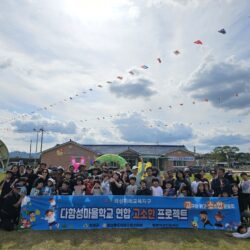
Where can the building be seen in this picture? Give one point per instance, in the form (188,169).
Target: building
(161,156)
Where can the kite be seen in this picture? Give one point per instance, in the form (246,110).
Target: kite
(160,108)
(144,66)
(193,102)
(236,94)
(165,125)
(222,31)
(109,82)
(119,77)
(84,92)
(71,98)
(181,104)
(90,89)
(177,52)
(76,95)
(199,42)
(100,86)
(206,100)
(170,106)
(131,72)
(159,60)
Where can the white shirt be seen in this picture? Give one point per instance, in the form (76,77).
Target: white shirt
(243,236)
(194,186)
(157,191)
(245,185)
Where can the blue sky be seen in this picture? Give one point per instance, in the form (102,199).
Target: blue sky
(53,50)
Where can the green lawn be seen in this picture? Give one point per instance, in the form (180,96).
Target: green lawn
(121,239)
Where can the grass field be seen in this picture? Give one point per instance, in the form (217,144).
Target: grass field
(121,239)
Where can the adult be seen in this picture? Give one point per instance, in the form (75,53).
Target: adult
(220,184)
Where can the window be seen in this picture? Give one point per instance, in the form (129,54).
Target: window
(179,163)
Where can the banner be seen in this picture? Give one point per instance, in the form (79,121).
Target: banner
(93,212)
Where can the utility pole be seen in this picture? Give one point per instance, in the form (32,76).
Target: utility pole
(30,150)
(37,136)
(41,148)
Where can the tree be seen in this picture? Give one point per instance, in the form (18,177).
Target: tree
(225,153)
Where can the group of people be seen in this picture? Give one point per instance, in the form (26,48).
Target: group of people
(103,180)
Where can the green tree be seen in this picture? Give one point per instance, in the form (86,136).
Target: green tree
(225,153)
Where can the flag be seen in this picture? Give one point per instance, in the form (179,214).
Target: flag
(199,42)
(222,31)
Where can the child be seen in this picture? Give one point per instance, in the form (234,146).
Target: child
(169,190)
(79,188)
(5,185)
(143,190)
(156,189)
(242,232)
(183,191)
(50,187)
(97,189)
(37,190)
(22,184)
(65,189)
(132,187)
(235,190)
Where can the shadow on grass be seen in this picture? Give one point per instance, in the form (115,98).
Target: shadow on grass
(117,237)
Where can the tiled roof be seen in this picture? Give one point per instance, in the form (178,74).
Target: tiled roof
(140,149)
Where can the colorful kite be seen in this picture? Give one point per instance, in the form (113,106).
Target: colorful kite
(144,66)
(199,42)
(159,60)
(222,31)
(177,52)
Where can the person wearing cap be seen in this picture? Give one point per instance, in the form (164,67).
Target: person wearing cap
(68,178)
(10,209)
(49,189)
(138,174)
(5,185)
